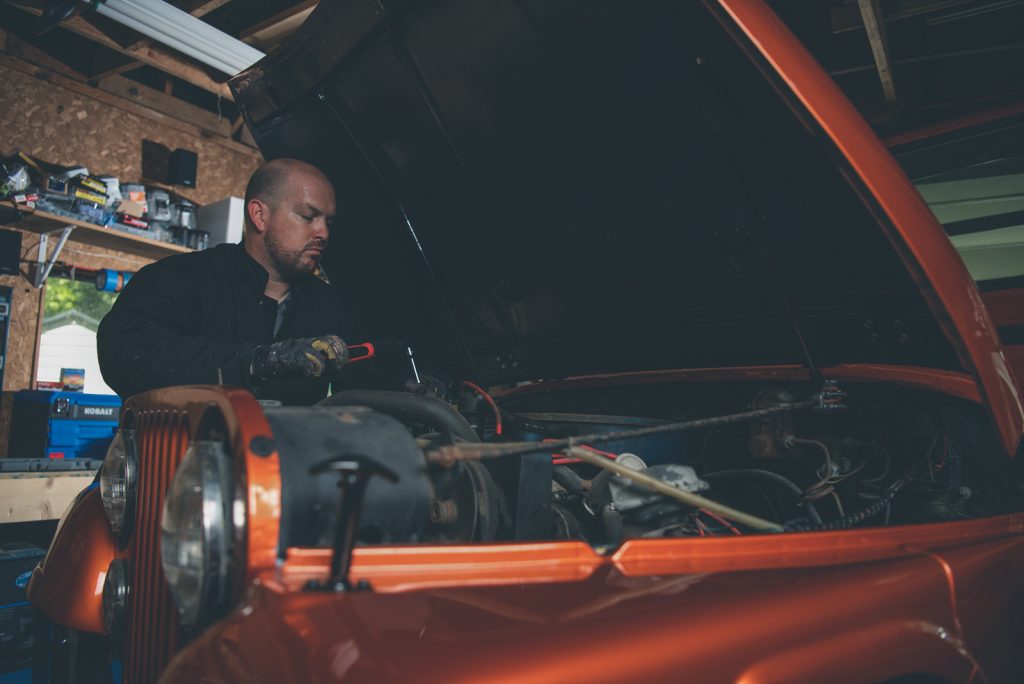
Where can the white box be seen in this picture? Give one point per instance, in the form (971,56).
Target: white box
(223,220)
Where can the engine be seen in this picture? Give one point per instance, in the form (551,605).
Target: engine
(692,459)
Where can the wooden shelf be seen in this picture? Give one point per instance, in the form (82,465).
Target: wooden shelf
(91,234)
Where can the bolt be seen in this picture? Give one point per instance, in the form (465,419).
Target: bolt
(444,512)
(261,446)
(965,492)
(873,337)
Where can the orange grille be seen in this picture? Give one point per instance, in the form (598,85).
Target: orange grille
(152,621)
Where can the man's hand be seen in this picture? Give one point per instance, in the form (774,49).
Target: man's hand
(309,358)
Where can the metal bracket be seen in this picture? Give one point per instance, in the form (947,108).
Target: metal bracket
(45,264)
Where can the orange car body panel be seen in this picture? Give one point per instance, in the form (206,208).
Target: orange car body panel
(712,607)
(67,587)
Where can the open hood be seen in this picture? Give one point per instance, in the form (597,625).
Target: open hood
(529,189)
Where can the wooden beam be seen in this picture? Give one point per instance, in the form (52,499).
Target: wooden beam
(165,103)
(119,33)
(158,57)
(108,63)
(874,26)
(198,8)
(271,32)
(183,68)
(23,49)
(78,86)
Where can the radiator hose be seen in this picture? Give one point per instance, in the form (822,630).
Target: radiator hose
(408,407)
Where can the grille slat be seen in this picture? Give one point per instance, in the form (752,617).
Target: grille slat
(153,621)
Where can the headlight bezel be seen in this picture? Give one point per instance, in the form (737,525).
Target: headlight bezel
(216,541)
(124,526)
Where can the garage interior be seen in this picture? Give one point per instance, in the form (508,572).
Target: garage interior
(92,92)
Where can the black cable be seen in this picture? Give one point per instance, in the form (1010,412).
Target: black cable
(499,451)
(774,477)
(846,522)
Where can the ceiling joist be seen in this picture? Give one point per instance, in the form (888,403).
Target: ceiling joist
(161,58)
(874,26)
(274,30)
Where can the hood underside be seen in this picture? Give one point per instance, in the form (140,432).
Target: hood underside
(530,189)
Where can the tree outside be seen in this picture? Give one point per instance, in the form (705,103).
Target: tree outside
(70,295)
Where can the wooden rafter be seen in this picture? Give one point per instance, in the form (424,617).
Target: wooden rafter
(161,58)
(271,32)
(106,63)
(874,26)
(198,8)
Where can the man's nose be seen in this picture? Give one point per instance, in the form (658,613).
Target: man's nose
(320,229)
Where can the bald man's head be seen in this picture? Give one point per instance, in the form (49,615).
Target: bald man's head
(270,181)
(288,208)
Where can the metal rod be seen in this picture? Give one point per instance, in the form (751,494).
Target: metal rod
(45,264)
(477,451)
(665,489)
(378,171)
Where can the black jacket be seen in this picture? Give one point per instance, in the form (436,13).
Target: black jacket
(184,318)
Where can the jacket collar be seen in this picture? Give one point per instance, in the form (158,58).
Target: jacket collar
(256,276)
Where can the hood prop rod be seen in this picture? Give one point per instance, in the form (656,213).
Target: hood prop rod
(377,170)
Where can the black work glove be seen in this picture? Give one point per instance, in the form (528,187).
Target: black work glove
(309,358)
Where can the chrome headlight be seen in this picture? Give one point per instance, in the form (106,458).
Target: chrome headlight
(196,533)
(119,483)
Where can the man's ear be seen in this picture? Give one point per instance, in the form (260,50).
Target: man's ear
(258,213)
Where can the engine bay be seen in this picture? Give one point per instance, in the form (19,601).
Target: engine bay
(688,459)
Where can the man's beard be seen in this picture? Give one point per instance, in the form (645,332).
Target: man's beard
(291,263)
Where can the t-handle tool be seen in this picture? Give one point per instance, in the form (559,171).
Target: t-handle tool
(355,472)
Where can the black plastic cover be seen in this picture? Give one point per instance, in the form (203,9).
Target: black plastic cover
(304,437)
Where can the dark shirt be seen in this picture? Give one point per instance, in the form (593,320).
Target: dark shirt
(195,319)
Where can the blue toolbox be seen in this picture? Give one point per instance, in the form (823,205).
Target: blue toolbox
(62,424)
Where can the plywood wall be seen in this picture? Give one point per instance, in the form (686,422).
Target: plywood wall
(66,127)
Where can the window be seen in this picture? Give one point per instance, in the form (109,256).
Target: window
(72,313)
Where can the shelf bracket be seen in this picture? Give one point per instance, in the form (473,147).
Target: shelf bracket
(45,264)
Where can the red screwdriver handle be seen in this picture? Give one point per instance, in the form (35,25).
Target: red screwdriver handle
(360,352)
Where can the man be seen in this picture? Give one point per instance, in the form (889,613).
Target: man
(252,315)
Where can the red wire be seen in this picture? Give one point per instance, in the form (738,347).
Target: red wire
(562,459)
(487,397)
(722,520)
